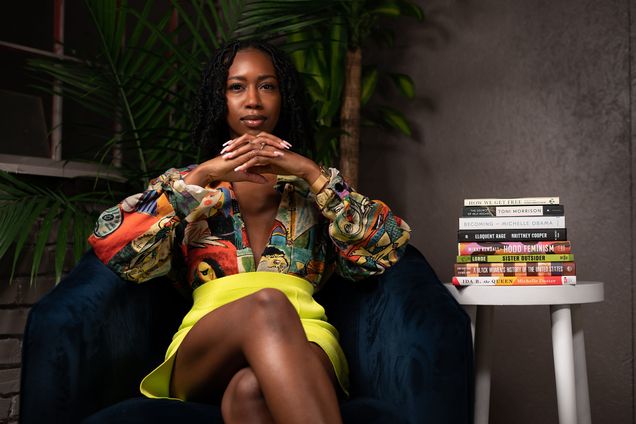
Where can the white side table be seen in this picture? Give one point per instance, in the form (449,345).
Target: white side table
(568,344)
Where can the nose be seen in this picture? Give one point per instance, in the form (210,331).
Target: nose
(253,100)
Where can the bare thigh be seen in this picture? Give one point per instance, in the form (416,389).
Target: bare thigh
(195,370)
(219,344)
(328,366)
(244,402)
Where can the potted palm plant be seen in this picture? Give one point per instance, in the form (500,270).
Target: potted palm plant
(146,65)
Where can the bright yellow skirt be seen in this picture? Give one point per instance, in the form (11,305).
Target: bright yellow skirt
(219,292)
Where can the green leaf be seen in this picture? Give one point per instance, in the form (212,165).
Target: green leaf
(42,237)
(388,9)
(297,55)
(138,30)
(11,215)
(193,29)
(15,186)
(79,236)
(369,82)
(26,225)
(61,246)
(404,84)
(337,57)
(112,68)
(396,8)
(410,8)
(219,25)
(146,83)
(395,119)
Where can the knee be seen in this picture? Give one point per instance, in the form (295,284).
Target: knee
(271,305)
(269,297)
(242,396)
(247,388)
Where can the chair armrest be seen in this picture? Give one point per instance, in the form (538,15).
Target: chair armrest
(90,340)
(408,341)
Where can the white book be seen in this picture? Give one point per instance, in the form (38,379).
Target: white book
(521,280)
(511,222)
(512,201)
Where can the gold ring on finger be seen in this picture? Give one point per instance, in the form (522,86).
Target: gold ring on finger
(262,146)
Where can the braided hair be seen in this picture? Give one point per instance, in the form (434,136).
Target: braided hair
(210,129)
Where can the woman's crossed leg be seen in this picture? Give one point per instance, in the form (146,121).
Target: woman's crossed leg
(252,357)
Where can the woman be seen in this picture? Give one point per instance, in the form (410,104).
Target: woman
(258,205)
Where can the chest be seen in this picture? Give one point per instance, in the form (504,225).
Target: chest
(267,234)
(258,229)
(286,238)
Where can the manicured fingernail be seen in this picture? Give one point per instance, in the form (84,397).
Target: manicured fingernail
(228,142)
(227,156)
(238,168)
(279,153)
(223,150)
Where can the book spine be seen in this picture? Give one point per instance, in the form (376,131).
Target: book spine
(515,281)
(513,223)
(513,201)
(512,247)
(515,258)
(512,269)
(543,234)
(530,210)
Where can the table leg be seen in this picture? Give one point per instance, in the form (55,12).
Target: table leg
(563,351)
(580,368)
(483,362)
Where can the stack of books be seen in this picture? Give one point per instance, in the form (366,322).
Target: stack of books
(513,242)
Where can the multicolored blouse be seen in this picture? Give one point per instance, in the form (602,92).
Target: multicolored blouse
(197,234)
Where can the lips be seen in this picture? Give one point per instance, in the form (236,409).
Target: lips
(253,121)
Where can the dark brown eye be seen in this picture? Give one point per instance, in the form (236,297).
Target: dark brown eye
(268,86)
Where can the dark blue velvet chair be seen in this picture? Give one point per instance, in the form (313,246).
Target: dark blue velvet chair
(89,341)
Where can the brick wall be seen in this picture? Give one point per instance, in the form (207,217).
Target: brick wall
(16,299)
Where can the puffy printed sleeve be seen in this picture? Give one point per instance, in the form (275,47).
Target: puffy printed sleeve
(367,236)
(136,237)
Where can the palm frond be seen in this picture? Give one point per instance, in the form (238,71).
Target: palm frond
(29,211)
(61,244)
(109,50)
(11,217)
(26,223)
(143,75)
(42,237)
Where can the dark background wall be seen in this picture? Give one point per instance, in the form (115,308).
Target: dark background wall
(515,98)
(524,98)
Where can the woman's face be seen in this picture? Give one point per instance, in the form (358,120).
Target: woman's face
(253,96)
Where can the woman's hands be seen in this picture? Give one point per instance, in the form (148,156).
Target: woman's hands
(248,157)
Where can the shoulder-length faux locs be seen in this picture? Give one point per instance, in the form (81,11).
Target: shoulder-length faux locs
(210,129)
